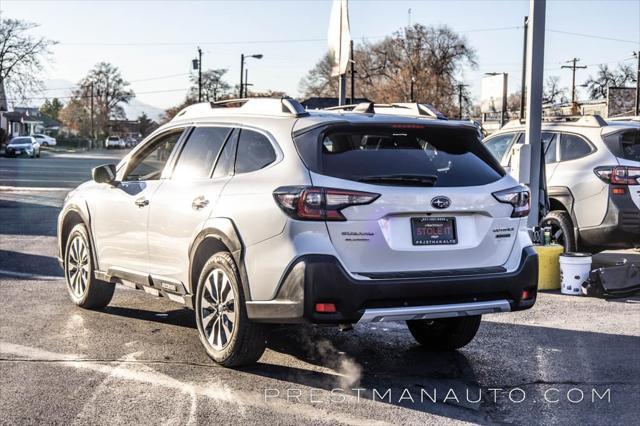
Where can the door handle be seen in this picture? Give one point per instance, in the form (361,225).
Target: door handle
(142,202)
(199,202)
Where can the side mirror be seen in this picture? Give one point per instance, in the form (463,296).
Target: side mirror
(104,174)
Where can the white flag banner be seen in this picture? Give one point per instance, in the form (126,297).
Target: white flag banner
(339,37)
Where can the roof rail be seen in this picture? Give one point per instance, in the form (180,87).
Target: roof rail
(625,118)
(583,120)
(397,108)
(287,107)
(592,121)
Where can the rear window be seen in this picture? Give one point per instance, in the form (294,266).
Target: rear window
(412,155)
(113,138)
(625,144)
(18,141)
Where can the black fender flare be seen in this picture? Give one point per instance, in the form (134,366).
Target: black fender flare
(564,196)
(225,232)
(85,217)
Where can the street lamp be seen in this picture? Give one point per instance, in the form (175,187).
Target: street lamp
(197,65)
(503,113)
(242,58)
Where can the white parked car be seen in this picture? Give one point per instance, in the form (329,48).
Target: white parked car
(115,142)
(23,145)
(593,179)
(44,140)
(266,213)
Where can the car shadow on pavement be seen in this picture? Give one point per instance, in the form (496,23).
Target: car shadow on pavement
(21,218)
(35,264)
(181,317)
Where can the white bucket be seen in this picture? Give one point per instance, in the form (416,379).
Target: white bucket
(574,270)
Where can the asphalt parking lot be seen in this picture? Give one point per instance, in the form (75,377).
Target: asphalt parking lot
(568,360)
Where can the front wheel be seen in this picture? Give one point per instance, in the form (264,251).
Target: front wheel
(84,289)
(228,336)
(445,334)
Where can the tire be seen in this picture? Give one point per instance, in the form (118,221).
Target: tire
(85,290)
(246,341)
(561,229)
(445,334)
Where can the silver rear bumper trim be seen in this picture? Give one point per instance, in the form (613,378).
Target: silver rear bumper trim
(435,311)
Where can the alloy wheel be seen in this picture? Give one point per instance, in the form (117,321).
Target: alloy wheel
(78,266)
(218,309)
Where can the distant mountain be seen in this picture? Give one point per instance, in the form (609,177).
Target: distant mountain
(62,89)
(135,108)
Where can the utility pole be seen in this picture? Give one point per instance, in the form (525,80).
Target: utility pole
(573,68)
(241,75)
(353,73)
(637,111)
(246,82)
(93,133)
(533,134)
(523,87)
(460,87)
(199,74)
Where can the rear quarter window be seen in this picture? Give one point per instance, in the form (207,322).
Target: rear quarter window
(625,144)
(442,156)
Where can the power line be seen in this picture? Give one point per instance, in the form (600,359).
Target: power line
(77,86)
(594,36)
(323,39)
(238,42)
(88,96)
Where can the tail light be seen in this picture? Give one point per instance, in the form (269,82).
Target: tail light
(315,203)
(618,175)
(519,197)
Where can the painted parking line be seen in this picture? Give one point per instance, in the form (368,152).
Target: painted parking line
(130,369)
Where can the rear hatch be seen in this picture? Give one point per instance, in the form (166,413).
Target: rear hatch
(435,211)
(625,145)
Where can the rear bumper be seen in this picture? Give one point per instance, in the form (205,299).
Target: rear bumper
(621,225)
(315,279)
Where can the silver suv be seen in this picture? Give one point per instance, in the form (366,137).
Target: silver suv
(593,179)
(256,211)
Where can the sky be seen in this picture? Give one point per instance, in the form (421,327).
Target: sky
(153,42)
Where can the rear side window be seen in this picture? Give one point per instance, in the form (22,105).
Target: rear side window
(407,155)
(498,145)
(549,145)
(254,152)
(573,147)
(625,145)
(200,152)
(224,165)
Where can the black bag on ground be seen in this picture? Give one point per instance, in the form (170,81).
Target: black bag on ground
(613,281)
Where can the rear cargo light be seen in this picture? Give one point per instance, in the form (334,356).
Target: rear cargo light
(316,203)
(518,197)
(618,191)
(618,175)
(325,308)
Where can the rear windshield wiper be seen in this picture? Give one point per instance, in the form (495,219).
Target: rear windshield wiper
(412,180)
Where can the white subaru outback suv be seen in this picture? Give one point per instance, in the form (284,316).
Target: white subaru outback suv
(593,179)
(257,211)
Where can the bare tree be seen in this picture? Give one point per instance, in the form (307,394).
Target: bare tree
(213,85)
(318,81)
(553,93)
(21,59)
(108,89)
(429,59)
(597,86)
